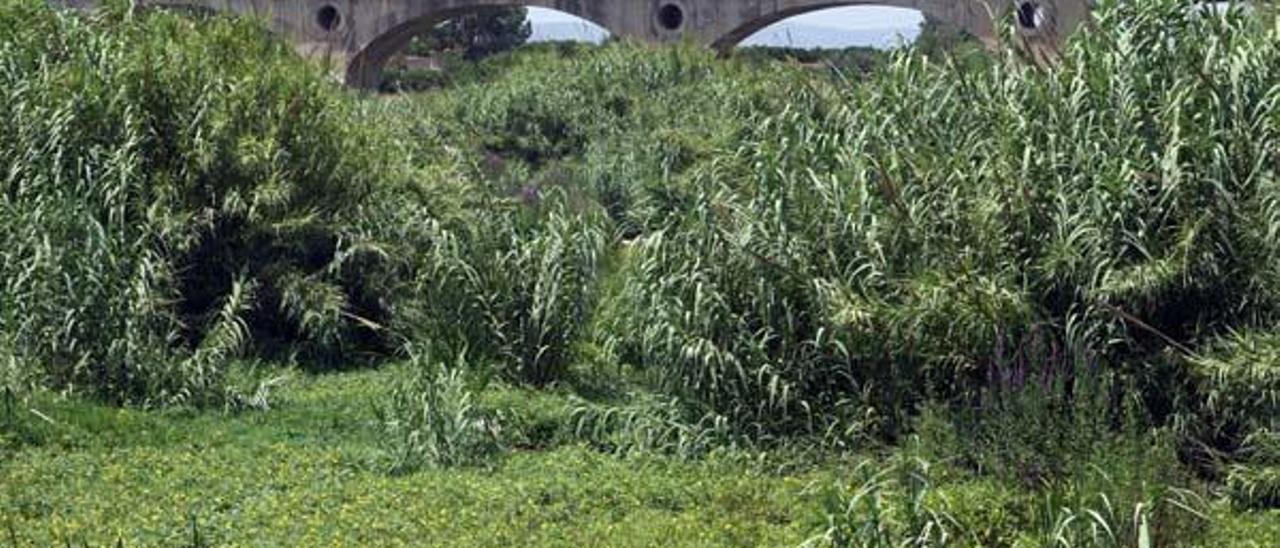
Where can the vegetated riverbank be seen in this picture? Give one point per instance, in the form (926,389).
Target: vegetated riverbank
(979,304)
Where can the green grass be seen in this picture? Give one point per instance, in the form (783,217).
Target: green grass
(302,474)
(637,295)
(306,473)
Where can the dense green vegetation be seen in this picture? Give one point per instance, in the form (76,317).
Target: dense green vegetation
(476,35)
(455,46)
(636,296)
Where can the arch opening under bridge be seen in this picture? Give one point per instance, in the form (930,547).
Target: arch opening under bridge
(913,11)
(364,68)
(862,26)
(358,37)
(477,34)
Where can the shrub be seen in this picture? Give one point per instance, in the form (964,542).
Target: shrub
(1253,481)
(528,190)
(173,193)
(1034,421)
(429,419)
(889,505)
(542,294)
(1119,495)
(651,425)
(1254,486)
(513,282)
(877,244)
(1238,380)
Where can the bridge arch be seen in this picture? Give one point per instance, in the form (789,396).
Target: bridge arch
(869,26)
(391,33)
(358,37)
(958,14)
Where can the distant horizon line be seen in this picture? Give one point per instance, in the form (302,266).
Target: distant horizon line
(836,18)
(787,34)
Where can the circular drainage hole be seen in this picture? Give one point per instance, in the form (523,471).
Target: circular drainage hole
(1030,16)
(671,17)
(328,18)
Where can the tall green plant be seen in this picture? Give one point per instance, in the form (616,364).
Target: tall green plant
(173,193)
(429,418)
(879,243)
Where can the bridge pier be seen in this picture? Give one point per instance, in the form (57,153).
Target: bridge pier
(357,37)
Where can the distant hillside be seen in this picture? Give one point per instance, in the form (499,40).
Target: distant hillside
(567,31)
(783,35)
(814,36)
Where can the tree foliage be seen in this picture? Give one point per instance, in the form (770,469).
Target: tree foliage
(477,35)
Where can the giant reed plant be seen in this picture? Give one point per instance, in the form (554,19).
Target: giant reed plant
(875,244)
(428,419)
(173,194)
(511,283)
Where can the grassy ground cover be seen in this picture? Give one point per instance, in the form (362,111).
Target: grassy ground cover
(304,474)
(633,295)
(307,472)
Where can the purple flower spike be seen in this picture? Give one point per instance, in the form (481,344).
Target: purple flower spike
(530,195)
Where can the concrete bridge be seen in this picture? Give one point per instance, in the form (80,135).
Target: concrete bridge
(358,37)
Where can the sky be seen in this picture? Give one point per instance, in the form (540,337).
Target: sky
(863,25)
(864,17)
